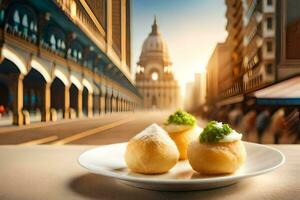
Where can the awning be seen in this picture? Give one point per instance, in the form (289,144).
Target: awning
(231,100)
(286,92)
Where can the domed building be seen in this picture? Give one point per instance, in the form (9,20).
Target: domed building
(154,76)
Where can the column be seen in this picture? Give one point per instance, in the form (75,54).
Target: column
(17,92)
(66,108)
(117,104)
(109,24)
(107,104)
(100,104)
(79,103)
(126,106)
(123,33)
(46,103)
(90,105)
(113,104)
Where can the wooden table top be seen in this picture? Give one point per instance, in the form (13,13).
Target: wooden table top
(52,172)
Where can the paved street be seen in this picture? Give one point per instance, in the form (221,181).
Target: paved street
(105,129)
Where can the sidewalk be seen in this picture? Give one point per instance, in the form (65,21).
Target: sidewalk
(14,128)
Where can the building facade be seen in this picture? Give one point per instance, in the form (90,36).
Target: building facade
(259,44)
(288,39)
(263,39)
(154,77)
(200,88)
(234,14)
(195,92)
(218,69)
(189,96)
(65,58)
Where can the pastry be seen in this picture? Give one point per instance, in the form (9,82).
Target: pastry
(151,152)
(219,150)
(182,128)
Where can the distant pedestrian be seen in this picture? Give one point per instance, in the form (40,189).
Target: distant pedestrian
(248,122)
(262,123)
(235,116)
(278,125)
(292,118)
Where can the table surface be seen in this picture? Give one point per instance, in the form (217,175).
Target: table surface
(52,172)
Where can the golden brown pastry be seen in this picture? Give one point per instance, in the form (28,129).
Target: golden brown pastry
(182,128)
(151,152)
(219,150)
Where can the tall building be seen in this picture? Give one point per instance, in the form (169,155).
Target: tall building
(259,44)
(189,96)
(154,77)
(263,45)
(234,14)
(199,89)
(216,68)
(65,58)
(287,39)
(195,92)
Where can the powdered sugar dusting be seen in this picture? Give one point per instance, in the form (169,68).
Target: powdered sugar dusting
(153,132)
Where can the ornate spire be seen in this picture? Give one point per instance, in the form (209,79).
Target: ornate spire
(154,27)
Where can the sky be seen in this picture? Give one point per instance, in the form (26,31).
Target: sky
(191,29)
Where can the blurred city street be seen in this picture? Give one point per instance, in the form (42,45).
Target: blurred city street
(100,130)
(82,74)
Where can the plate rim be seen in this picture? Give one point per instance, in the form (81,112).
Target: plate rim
(123,177)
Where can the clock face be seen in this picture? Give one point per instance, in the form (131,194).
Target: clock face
(154,76)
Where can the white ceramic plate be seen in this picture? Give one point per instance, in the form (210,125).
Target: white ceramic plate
(109,161)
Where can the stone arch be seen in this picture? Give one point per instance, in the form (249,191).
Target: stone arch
(108,100)
(85,101)
(36,98)
(154,101)
(154,67)
(117,103)
(11,76)
(87,97)
(58,97)
(40,68)
(59,74)
(74,80)
(75,96)
(96,100)
(102,94)
(112,103)
(88,85)
(74,100)
(120,104)
(15,58)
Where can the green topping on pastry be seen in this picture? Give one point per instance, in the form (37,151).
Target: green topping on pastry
(214,132)
(181,118)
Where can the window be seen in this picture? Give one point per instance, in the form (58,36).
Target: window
(269,23)
(269,68)
(269,2)
(154,76)
(269,46)
(53,42)
(16,17)
(25,21)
